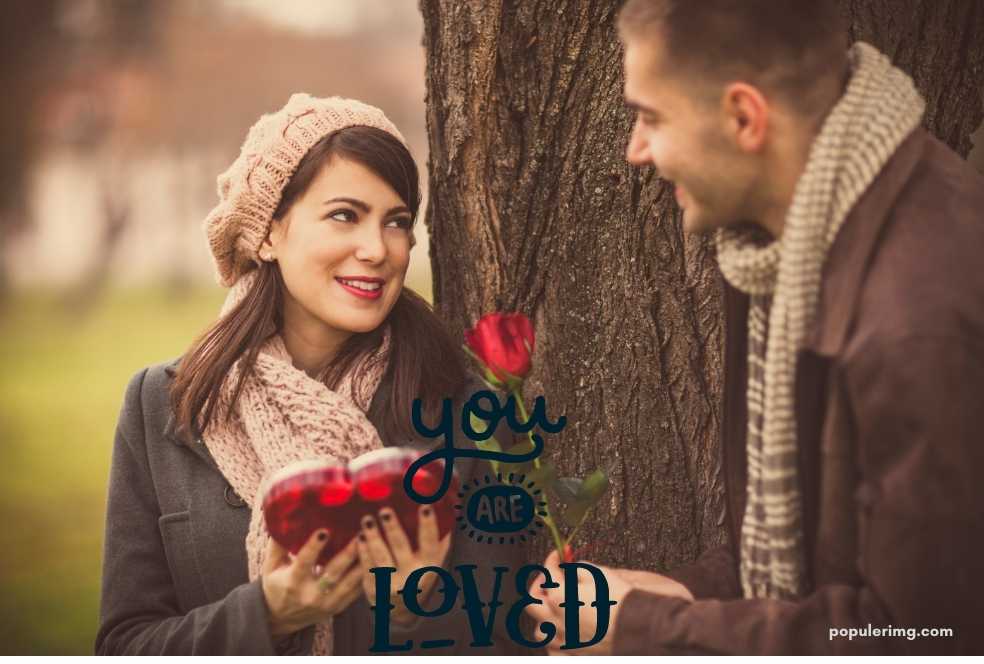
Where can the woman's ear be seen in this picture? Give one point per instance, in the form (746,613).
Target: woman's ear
(268,248)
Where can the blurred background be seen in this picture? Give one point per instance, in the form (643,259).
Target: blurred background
(119,115)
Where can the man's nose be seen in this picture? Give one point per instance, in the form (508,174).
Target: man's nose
(637,151)
(370,247)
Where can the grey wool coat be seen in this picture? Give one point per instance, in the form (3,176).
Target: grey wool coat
(174,568)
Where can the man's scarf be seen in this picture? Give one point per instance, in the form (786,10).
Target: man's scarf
(879,109)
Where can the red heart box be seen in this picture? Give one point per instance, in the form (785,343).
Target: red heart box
(307,495)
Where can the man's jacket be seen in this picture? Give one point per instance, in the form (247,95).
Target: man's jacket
(889,411)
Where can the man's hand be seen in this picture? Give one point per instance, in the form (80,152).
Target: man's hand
(652,582)
(550,610)
(620,583)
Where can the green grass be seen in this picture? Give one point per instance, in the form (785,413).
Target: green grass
(61,389)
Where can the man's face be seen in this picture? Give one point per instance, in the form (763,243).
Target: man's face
(681,131)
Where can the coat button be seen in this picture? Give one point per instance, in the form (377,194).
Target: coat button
(232,498)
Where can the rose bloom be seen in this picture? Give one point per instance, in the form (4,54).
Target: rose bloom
(504,343)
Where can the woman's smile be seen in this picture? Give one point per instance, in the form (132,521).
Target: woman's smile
(367,288)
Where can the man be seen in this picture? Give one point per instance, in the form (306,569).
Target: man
(850,242)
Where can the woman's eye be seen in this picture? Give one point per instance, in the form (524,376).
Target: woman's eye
(342,215)
(401,222)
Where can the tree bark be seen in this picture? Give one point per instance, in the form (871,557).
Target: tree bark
(533,208)
(940,43)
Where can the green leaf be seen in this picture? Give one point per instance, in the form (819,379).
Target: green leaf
(488,445)
(513,383)
(575,513)
(492,380)
(495,388)
(524,447)
(544,476)
(566,489)
(593,486)
(515,468)
(481,426)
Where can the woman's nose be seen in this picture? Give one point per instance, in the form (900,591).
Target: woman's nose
(370,245)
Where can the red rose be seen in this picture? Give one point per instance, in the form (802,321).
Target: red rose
(504,343)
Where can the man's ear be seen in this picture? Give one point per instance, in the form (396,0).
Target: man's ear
(746,112)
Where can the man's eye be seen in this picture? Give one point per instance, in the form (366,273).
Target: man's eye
(342,215)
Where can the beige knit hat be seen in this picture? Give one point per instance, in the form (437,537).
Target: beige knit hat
(249,191)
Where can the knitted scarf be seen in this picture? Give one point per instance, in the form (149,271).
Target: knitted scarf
(282,416)
(878,110)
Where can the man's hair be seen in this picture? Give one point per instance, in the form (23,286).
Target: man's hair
(791,48)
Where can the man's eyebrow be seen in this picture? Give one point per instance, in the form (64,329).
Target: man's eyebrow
(639,108)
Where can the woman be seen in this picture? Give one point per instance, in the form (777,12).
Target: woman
(319,352)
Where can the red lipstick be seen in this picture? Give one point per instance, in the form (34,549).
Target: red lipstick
(359,292)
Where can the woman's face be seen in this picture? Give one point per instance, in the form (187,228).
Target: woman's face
(343,250)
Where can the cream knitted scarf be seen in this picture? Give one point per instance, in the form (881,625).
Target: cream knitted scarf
(878,110)
(282,416)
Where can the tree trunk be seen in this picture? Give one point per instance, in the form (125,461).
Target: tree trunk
(940,43)
(532,208)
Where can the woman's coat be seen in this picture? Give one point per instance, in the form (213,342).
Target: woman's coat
(175,571)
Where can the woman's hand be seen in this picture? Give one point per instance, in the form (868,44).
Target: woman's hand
(374,552)
(297,594)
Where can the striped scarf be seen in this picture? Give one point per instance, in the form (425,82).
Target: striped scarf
(877,111)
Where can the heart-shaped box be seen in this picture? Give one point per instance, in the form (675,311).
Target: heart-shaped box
(307,495)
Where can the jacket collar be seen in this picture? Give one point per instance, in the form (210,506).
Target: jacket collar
(852,250)
(192,443)
(170,427)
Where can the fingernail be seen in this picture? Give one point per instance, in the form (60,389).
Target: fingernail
(385,516)
(362,537)
(322,536)
(426,511)
(368,523)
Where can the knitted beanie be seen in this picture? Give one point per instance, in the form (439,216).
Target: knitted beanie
(250,190)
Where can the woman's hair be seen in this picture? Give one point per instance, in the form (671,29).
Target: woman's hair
(424,361)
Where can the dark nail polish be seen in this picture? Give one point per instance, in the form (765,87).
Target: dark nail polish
(369,524)
(362,537)
(322,536)
(426,511)
(386,516)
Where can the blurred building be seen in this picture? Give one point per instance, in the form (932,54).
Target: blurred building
(150,102)
(154,102)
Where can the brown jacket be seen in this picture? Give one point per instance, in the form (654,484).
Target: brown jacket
(889,394)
